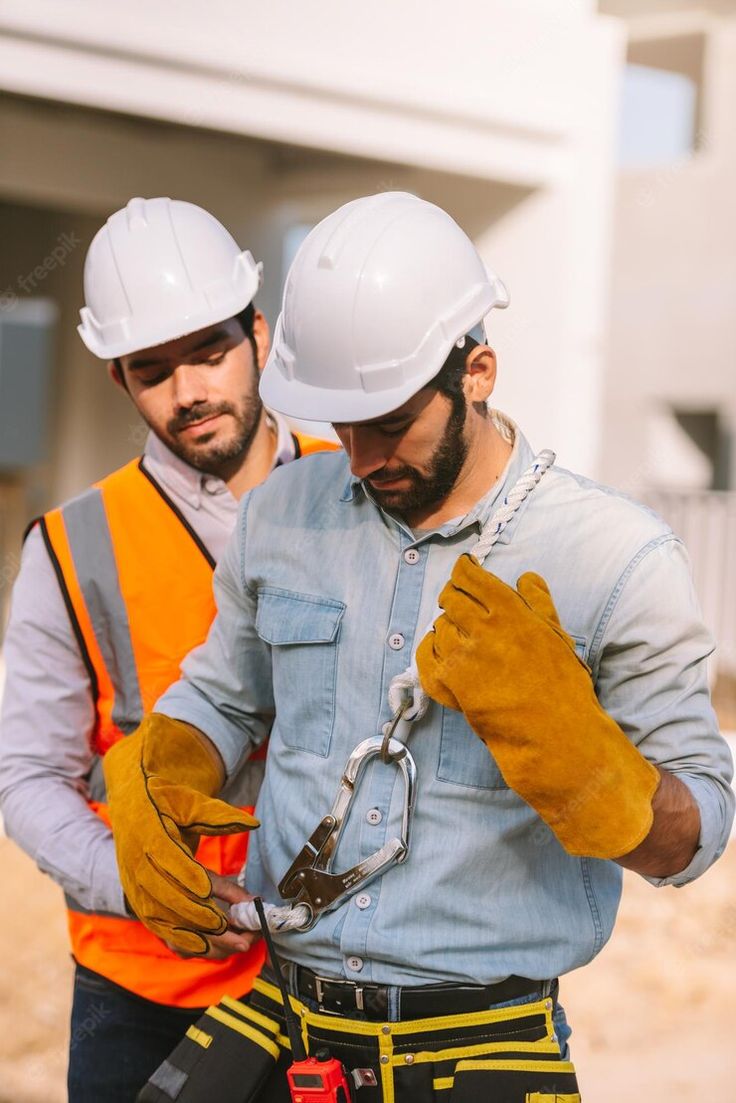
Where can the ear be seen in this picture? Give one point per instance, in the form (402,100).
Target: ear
(262,338)
(480,374)
(115,371)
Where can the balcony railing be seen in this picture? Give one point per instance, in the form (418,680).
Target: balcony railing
(706,522)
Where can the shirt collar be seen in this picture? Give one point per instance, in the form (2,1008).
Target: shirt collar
(520,458)
(182,480)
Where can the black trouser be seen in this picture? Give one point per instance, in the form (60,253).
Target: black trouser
(238,1053)
(117,1039)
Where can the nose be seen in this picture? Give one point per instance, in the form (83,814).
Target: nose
(189,386)
(366,450)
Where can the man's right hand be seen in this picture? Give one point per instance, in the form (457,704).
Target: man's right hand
(235,940)
(161,782)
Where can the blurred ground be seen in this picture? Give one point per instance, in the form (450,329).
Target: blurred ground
(724,701)
(651,1015)
(35,984)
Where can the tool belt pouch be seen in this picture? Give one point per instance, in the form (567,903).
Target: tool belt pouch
(514,1081)
(225,1056)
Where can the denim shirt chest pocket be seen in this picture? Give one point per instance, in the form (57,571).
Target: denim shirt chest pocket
(464,758)
(302,631)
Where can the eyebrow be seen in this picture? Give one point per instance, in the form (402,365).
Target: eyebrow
(213,339)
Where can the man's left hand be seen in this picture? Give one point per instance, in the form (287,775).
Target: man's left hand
(502,657)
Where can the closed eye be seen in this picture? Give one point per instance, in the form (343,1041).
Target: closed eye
(394,432)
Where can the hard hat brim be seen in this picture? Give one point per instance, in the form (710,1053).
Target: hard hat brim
(294,398)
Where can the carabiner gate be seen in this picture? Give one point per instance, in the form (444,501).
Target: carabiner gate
(310,880)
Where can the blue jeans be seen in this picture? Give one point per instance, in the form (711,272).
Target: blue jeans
(118,1039)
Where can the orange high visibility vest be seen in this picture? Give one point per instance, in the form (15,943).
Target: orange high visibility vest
(137,583)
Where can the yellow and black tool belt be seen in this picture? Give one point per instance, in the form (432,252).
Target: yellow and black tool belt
(238,1053)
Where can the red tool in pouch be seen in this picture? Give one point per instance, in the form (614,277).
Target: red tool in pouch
(319,1079)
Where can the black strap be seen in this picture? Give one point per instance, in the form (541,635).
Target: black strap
(344,997)
(177,512)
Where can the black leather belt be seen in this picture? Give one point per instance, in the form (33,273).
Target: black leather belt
(345,997)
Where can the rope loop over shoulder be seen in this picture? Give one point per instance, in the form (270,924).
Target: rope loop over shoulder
(406,686)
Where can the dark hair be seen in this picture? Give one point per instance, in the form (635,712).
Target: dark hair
(246,318)
(449,379)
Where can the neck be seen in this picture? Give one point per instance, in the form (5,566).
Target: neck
(488,454)
(244,472)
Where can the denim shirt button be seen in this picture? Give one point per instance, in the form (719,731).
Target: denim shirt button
(362,901)
(355,963)
(411,555)
(374,816)
(396,641)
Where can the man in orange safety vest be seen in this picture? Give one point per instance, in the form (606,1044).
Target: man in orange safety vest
(115,588)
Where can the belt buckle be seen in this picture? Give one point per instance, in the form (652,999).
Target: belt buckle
(319,991)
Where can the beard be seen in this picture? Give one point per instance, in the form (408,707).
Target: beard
(210,452)
(430,487)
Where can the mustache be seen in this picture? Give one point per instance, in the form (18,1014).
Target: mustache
(198,413)
(386,474)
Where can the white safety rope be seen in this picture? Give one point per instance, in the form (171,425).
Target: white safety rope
(406,686)
(285,917)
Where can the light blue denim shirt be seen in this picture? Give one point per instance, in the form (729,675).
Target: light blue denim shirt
(319,606)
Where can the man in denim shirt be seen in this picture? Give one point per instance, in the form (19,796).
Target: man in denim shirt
(514,873)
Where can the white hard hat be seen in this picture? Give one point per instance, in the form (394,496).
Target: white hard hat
(378,294)
(157,270)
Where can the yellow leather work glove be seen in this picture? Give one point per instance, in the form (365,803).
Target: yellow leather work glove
(161,782)
(502,657)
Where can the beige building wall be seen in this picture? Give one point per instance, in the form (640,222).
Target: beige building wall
(673,286)
(506,118)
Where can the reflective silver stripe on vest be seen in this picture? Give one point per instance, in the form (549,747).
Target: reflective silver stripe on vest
(90,543)
(96,787)
(74,906)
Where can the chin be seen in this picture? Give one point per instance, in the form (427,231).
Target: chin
(396,499)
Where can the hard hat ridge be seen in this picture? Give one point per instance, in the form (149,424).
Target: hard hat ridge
(378,294)
(157,270)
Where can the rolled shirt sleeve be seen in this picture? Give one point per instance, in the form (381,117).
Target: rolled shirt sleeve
(651,676)
(45,750)
(226,687)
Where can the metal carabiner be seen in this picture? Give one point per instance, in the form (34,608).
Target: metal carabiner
(310,880)
(390,730)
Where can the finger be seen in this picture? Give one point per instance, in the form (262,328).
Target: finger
(430,674)
(180,953)
(445,638)
(469,577)
(198,913)
(205,815)
(175,859)
(462,611)
(474,593)
(535,592)
(215,953)
(180,939)
(217,817)
(178,911)
(226,889)
(235,941)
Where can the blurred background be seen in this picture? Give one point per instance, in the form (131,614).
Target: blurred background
(590,151)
